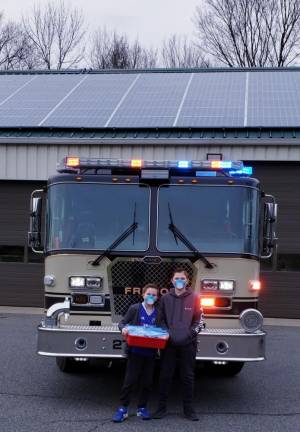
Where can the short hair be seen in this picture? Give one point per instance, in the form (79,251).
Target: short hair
(180,270)
(149,285)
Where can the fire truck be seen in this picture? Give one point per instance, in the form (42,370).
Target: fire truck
(107,227)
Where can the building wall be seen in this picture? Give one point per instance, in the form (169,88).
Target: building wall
(38,161)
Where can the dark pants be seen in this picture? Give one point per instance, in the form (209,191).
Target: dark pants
(185,357)
(139,370)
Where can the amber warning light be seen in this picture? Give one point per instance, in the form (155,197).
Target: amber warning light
(72,161)
(207,302)
(136,163)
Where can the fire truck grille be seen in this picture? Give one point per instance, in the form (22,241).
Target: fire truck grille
(127,277)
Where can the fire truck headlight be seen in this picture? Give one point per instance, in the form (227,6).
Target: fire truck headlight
(251,320)
(94,282)
(49,280)
(226,285)
(209,285)
(77,282)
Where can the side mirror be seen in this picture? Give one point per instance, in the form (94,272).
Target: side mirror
(35,233)
(269,225)
(272,209)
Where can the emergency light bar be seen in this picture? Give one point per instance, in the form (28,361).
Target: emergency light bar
(76,163)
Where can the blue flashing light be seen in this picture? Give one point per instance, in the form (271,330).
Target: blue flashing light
(206,173)
(246,170)
(183,164)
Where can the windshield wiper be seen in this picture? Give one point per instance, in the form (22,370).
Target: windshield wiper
(178,234)
(131,229)
(134,221)
(172,223)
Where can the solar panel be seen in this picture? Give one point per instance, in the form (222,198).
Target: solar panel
(153,101)
(274,99)
(34,101)
(214,100)
(11,84)
(93,101)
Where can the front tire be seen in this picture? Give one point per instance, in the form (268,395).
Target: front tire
(229,369)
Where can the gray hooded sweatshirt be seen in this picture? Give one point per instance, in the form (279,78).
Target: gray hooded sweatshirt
(182,315)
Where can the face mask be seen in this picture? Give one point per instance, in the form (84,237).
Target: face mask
(150,299)
(179,283)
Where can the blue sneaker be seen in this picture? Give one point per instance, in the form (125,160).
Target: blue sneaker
(120,415)
(143,413)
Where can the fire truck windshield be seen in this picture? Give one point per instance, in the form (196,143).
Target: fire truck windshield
(90,216)
(217,219)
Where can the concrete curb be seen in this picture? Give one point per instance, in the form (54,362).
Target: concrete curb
(21,310)
(282,322)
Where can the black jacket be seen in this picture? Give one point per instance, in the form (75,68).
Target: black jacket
(132,316)
(181,315)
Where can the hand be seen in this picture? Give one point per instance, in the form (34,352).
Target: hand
(124,331)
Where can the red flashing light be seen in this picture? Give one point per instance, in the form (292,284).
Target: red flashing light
(207,302)
(254,285)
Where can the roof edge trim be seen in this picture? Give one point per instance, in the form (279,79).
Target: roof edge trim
(153,70)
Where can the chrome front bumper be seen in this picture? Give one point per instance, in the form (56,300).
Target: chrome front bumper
(86,341)
(106,341)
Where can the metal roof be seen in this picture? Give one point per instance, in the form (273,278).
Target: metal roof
(260,103)
(180,136)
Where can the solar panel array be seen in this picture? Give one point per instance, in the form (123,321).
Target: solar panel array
(267,98)
(274,99)
(153,101)
(214,99)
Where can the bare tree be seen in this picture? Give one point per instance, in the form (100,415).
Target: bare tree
(178,52)
(142,58)
(10,44)
(57,32)
(114,51)
(69,33)
(250,33)
(28,55)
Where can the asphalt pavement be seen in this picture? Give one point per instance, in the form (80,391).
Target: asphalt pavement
(36,396)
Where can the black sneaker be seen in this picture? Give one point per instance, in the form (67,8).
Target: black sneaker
(190,414)
(160,413)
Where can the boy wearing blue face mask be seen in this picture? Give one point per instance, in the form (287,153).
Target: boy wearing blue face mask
(179,312)
(140,361)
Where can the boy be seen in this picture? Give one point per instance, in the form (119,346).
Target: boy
(181,314)
(140,361)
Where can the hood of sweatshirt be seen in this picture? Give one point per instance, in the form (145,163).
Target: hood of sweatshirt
(186,292)
(179,313)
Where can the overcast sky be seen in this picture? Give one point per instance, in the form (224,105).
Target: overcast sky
(149,20)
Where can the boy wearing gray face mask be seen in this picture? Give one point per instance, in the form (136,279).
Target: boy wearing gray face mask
(181,314)
(140,361)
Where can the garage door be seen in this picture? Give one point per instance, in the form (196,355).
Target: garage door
(281,279)
(21,271)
